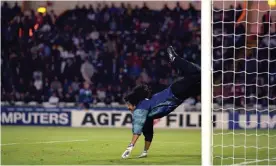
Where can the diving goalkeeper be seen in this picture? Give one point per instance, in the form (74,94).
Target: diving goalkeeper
(145,109)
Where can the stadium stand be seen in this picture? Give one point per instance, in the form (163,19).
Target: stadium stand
(48,58)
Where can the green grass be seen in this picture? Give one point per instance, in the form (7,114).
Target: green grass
(256,147)
(105,146)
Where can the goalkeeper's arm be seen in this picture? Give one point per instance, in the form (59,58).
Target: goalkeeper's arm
(139,119)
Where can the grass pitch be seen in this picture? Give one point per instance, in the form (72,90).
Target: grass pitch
(89,146)
(47,145)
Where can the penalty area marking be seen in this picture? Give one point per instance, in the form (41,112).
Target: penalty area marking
(251,162)
(44,142)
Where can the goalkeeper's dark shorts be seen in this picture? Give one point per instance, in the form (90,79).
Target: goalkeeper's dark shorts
(148,129)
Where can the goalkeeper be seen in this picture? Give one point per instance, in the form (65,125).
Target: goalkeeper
(145,110)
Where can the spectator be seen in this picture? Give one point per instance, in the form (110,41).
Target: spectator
(69,95)
(144,75)
(54,99)
(76,84)
(56,85)
(85,96)
(87,70)
(101,95)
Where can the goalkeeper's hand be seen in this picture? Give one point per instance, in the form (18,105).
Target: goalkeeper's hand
(127,151)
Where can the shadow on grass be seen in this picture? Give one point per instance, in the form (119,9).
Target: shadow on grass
(150,160)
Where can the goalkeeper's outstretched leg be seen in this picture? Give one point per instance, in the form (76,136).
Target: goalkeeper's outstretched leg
(145,108)
(190,84)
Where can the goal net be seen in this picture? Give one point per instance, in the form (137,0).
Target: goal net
(243,83)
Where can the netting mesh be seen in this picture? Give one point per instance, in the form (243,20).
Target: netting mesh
(244,82)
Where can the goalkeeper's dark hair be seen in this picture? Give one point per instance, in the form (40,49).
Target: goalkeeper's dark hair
(138,94)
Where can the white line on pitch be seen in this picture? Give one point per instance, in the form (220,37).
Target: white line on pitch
(9,144)
(46,142)
(251,162)
(83,140)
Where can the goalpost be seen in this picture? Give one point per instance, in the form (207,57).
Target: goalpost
(238,63)
(206,74)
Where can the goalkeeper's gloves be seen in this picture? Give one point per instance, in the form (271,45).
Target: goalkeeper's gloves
(127,151)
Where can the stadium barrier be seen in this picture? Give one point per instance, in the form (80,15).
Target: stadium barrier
(251,120)
(39,118)
(116,118)
(123,119)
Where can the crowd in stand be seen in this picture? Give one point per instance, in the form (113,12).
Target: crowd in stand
(100,53)
(50,58)
(246,75)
